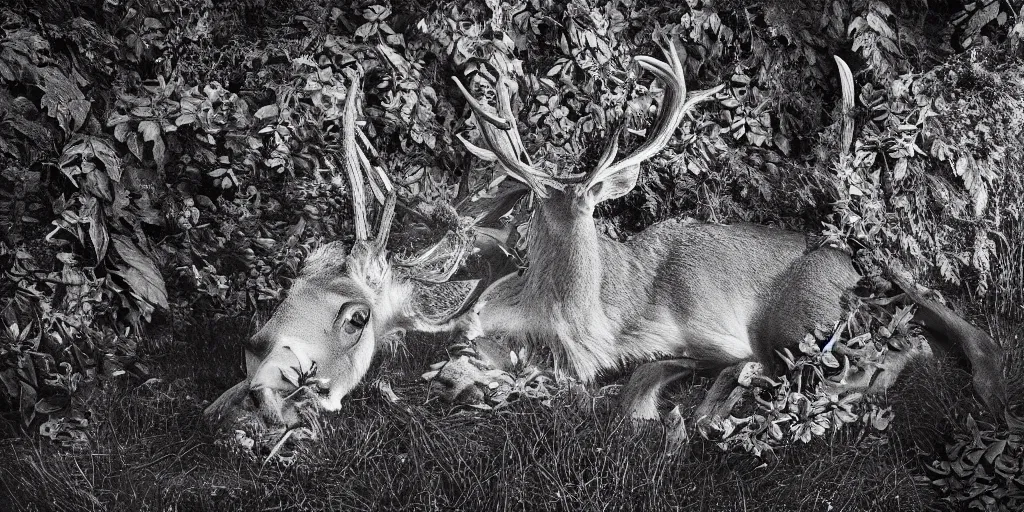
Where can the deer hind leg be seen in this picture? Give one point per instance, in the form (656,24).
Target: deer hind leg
(810,293)
(642,393)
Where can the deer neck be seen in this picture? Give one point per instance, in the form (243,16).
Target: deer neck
(563,288)
(565,261)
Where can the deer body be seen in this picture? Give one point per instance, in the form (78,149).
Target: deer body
(680,296)
(711,294)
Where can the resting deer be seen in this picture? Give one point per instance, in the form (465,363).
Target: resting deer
(679,297)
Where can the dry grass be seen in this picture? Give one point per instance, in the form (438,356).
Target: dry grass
(152,451)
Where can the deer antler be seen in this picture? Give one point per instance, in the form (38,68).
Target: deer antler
(388,215)
(355,179)
(673,107)
(441,260)
(501,135)
(356,164)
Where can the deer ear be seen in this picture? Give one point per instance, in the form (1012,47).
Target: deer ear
(614,186)
(440,303)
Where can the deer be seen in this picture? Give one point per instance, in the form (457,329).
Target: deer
(681,297)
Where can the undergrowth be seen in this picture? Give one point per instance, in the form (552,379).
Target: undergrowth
(149,449)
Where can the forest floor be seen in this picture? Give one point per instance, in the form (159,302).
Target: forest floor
(151,450)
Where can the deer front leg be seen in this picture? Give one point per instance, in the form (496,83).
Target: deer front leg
(481,364)
(642,393)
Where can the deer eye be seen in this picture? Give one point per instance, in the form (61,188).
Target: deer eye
(354,316)
(359,318)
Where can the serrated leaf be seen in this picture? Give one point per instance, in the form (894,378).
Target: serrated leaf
(61,99)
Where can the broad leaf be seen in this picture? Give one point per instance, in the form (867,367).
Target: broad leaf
(98,234)
(267,112)
(150,130)
(140,272)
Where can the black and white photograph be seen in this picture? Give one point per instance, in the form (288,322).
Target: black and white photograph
(512,255)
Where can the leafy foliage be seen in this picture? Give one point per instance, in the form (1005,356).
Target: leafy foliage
(823,385)
(164,161)
(981,469)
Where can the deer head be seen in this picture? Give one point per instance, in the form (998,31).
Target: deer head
(609,179)
(344,305)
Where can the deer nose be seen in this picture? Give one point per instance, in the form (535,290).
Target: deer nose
(257,397)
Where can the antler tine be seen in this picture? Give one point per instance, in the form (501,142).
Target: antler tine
(846,82)
(502,139)
(441,260)
(673,107)
(611,149)
(386,217)
(355,177)
(504,97)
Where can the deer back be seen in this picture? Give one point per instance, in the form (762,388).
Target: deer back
(679,289)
